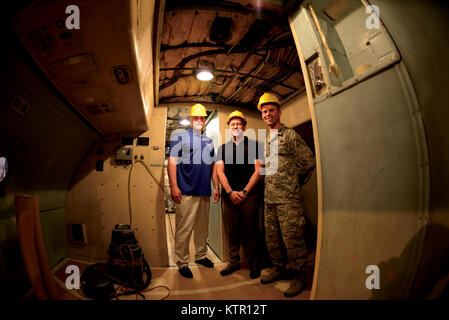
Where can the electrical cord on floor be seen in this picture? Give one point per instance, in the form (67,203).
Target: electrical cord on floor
(123,291)
(134,288)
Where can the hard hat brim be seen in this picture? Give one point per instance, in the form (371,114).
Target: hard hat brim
(243,120)
(198,115)
(265,103)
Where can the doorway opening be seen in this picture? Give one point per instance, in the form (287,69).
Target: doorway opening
(257,55)
(178,119)
(310,196)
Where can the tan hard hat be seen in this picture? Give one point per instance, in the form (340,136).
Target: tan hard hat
(236,114)
(268,98)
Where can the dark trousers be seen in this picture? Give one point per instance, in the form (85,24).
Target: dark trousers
(242,222)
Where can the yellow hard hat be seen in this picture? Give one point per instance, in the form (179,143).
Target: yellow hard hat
(268,98)
(198,110)
(236,114)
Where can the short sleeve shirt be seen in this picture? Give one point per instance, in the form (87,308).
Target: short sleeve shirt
(195,155)
(239,161)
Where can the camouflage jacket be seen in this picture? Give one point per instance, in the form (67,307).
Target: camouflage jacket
(289,160)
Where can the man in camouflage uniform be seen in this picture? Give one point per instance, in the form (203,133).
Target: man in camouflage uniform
(289,164)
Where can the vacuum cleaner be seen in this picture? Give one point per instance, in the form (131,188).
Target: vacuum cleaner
(126,266)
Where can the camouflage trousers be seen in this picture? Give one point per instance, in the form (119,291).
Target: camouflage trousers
(284,227)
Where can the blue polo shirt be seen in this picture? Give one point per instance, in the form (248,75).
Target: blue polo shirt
(195,158)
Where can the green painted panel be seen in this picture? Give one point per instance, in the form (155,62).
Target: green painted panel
(53,231)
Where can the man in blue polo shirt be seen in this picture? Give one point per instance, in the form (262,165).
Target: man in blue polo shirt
(190,170)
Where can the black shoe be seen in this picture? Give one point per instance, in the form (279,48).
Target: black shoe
(255,272)
(185,272)
(205,262)
(230,268)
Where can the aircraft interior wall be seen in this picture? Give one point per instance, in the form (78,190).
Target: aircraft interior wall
(106,192)
(419,29)
(44,141)
(382,161)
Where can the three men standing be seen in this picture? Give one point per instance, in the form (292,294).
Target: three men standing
(288,164)
(238,165)
(190,170)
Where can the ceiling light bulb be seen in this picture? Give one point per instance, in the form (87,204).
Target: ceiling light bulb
(204,74)
(184,122)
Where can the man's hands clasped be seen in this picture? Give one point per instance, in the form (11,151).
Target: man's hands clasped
(237,197)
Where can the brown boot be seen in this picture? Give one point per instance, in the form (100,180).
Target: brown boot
(296,286)
(273,276)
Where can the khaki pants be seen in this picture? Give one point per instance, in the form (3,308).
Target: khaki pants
(191,215)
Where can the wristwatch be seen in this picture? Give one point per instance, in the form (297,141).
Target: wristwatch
(230,191)
(245,191)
